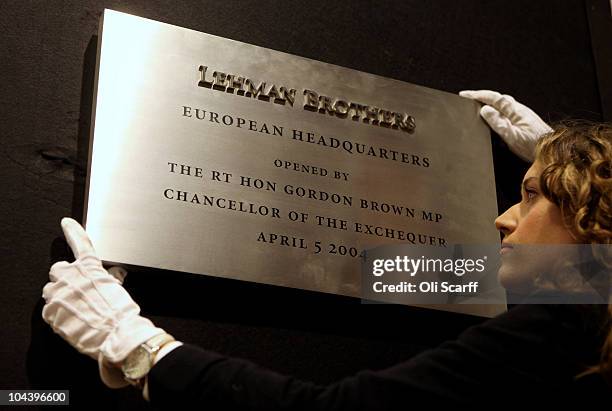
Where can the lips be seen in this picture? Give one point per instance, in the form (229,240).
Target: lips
(505,248)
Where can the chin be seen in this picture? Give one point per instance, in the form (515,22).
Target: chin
(514,280)
(505,278)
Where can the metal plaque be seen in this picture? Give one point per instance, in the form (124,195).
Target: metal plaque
(217,157)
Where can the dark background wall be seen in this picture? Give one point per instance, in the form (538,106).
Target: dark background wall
(537,51)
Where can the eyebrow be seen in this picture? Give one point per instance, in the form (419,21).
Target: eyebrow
(527,180)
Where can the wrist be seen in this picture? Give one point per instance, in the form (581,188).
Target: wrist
(139,362)
(165,349)
(112,374)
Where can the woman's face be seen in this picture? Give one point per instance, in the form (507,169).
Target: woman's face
(533,231)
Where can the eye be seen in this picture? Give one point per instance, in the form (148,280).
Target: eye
(530,194)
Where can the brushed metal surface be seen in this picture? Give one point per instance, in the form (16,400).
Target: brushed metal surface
(148,73)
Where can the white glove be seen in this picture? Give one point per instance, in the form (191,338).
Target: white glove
(515,123)
(90,308)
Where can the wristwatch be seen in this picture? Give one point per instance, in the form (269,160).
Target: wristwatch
(138,363)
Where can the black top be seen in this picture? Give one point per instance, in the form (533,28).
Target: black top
(527,356)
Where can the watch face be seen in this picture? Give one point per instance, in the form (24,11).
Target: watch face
(137,364)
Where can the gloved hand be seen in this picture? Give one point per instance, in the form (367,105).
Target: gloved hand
(515,123)
(90,308)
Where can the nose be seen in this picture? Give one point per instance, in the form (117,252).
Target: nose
(506,223)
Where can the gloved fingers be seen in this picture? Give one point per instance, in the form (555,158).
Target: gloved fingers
(108,293)
(117,299)
(59,269)
(508,106)
(63,274)
(59,289)
(118,272)
(62,269)
(484,96)
(94,289)
(77,239)
(514,136)
(79,334)
(498,122)
(86,311)
(505,104)
(49,290)
(88,307)
(105,293)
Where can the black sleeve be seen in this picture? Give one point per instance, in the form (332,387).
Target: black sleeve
(530,350)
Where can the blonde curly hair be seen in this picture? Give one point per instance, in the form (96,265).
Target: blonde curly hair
(577,177)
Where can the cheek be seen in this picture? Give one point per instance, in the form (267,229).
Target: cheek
(543,224)
(534,227)
(557,232)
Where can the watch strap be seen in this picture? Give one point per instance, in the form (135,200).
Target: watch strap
(155,343)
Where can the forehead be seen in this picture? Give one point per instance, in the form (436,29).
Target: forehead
(534,171)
